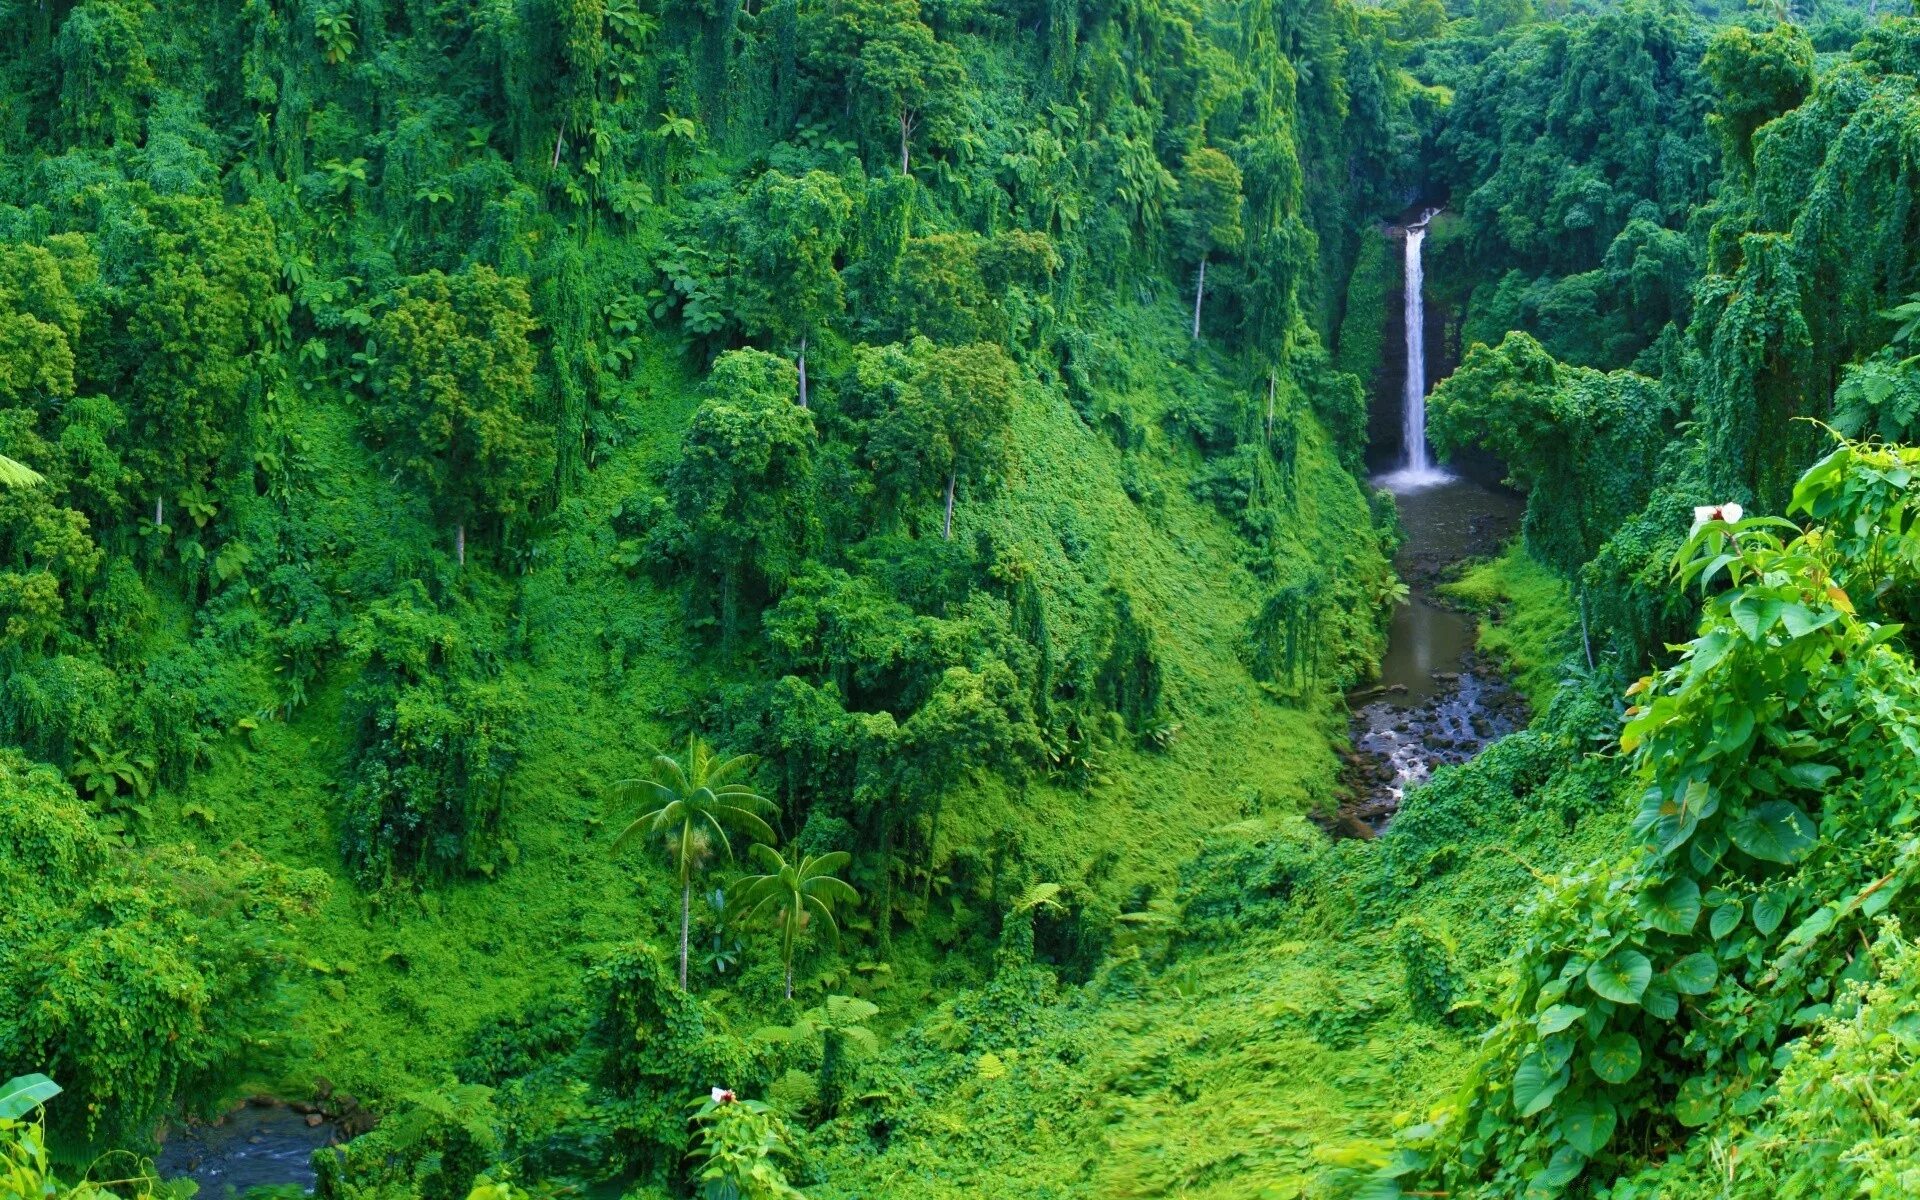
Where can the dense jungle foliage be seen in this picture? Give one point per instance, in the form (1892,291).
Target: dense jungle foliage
(727,600)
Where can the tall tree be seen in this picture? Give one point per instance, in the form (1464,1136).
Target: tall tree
(793,231)
(797,893)
(454,383)
(1209,214)
(742,485)
(942,412)
(696,801)
(891,62)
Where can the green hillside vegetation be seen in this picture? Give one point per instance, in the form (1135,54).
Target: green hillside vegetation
(438,438)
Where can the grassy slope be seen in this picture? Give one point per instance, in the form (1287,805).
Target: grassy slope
(391,988)
(1261,1066)
(1530,623)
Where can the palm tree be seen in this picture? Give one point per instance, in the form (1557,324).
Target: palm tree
(797,892)
(696,802)
(17,474)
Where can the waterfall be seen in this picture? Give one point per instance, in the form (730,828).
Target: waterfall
(1416,469)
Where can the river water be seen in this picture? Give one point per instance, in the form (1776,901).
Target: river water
(256,1145)
(1436,701)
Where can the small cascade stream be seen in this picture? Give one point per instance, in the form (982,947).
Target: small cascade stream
(1436,702)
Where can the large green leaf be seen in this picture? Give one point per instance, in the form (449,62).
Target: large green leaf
(1769,909)
(1661,1000)
(25,1093)
(1726,919)
(1587,1122)
(1776,831)
(1674,906)
(1695,974)
(1621,976)
(1697,1102)
(1562,1169)
(1559,1017)
(1534,1088)
(1616,1057)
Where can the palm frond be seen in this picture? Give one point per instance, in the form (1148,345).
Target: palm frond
(819,908)
(826,864)
(18,474)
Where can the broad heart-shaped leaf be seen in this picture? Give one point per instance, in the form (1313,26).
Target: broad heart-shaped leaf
(1774,832)
(1813,776)
(1769,909)
(1673,906)
(22,1095)
(1562,1169)
(1695,974)
(1534,1088)
(1587,1123)
(1559,1017)
(1616,1057)
(1660,999)
(1756,614)
(1726,919)
(1697,1102)
(1621,976)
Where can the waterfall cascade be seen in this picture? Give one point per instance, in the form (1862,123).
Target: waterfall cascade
(1417,469)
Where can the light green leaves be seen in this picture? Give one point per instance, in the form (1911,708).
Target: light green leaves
(1755,615)
(1616,1057)
(1672,907)
(1775,831)
(1558,1018)
(1697,1103)
(1621,976)
(22,1095)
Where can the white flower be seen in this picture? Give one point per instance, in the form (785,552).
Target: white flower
(723,1096)
(1730,513)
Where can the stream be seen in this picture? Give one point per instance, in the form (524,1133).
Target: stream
(1436,702)
(255,1145)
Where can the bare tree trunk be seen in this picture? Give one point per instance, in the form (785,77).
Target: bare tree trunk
(946,529)
(789,979)
(906,127)
(686,916)
(803,385)
(1199,294)
(558,138)
(886,887)
(1273,382)
(159,510)
(460,543)
(933,851)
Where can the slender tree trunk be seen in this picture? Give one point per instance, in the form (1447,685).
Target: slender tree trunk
(1273,382)
(159,510)
(789,979)
(933,851)
(946,529)
(558,138)
(803,372)
(906,128)
(1199,294)
(460,543)
(886,887)
(686,916)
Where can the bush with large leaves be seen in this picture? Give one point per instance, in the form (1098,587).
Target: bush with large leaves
(1779,757)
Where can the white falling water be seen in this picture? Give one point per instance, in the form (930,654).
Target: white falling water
(1416,470)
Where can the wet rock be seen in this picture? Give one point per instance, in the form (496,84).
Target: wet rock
(314,1120)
